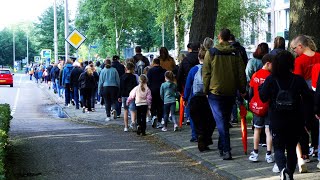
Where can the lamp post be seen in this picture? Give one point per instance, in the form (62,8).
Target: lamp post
(13,48)
(55,40)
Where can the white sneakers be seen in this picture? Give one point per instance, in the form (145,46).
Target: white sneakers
(275,168)
(302,166)
(175,127)
(164,129)
(269,158)
(254,157)
(125,129)
(108,119)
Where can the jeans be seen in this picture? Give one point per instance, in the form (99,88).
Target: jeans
(167,108)
(118,107)
(221,107)
(76,96)
(87,98)
(93,97)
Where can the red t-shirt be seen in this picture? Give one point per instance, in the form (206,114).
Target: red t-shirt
(315,75)
(257,79)
(303,65)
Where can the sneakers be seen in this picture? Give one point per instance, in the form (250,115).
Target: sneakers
(108,119)
(154,121)
(133,126)
(164,129)
(263,145)
(188,122)
(284,175)
(253,156)
(318,165)
(269,158)
(138,130)
(114,114)
(275,168)
(175,127)
(306,158)
(159,125)
(311,151)
(125,129)
(302,166)
(227,156)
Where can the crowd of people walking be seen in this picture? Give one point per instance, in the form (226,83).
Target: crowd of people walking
(282,91)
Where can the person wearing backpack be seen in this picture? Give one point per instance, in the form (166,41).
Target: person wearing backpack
(260,110)
(287,94)
(140,61)
(66,81)
(201,119)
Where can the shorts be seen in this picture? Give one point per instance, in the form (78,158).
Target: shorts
(130,107)
(260,122)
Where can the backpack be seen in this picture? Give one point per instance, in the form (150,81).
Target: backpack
(258,107)
(140,65)
(285,100)
(197,85)
(68,73)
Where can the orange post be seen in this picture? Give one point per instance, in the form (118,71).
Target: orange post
(181,111)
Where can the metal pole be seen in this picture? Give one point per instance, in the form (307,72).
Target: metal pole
(27,49)
(55,40)
(162,34)
(66,28)
(14,48)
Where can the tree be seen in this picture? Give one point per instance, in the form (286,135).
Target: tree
(304,19)
(203,20)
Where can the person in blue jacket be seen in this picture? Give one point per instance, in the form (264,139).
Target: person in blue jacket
(66,81)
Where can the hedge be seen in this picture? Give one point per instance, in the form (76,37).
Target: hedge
(5,118)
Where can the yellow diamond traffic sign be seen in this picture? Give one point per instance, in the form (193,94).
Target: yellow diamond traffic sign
(75,39)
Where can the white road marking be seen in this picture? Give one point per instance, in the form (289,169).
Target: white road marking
(14,107)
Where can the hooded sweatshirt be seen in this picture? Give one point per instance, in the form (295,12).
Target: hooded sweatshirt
(168,92)
(223,71)
(141,97)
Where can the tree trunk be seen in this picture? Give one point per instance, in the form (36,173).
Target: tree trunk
(304,19)
(203,20)
(177,17)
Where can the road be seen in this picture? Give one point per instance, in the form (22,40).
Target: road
(43,146)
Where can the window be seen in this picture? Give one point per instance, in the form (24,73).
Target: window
(4,72)
(268,33)
(287,18)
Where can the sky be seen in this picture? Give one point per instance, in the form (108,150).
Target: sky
(14,11)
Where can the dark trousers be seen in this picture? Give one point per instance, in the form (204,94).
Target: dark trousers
(202,118)
(87,98)
(76,96)
(141,117)
(93,97)
(285,141)
(68,93)
(157,105)
(110,95)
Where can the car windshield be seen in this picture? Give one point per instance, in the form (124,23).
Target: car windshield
(4,72)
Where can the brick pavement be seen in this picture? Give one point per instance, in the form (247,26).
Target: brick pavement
(238,168)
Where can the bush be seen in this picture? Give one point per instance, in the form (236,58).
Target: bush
(5,118)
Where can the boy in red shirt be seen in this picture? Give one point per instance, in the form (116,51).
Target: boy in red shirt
(257,79)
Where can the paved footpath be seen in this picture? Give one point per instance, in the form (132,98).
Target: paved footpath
(238,168)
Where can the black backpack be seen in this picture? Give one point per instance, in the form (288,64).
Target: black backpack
(285,100)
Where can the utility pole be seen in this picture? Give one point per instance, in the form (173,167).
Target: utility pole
(27,48)
(13,48)
(55,40)
(66,29)
(162,34)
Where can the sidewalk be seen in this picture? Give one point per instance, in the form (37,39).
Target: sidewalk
(238,168)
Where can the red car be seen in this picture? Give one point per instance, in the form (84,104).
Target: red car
(6,78)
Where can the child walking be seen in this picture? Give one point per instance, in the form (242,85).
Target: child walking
(127,82)
(168,93)
(260,122)
(142,96)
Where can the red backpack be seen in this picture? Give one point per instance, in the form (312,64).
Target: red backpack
(258,107)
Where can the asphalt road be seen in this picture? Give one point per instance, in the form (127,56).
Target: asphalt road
(43,146)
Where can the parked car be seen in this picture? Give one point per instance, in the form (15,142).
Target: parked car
(6,78)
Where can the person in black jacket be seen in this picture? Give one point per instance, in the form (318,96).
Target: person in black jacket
(53,77)
(127,82)
(95,90)
(87,83)
(121,70)
(155,79)
(287,125)
(74,77)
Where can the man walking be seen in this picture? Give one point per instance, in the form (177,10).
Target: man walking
(223,75)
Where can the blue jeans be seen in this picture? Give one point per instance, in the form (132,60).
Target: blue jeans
(221,107)
(76,96)
(166,111)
